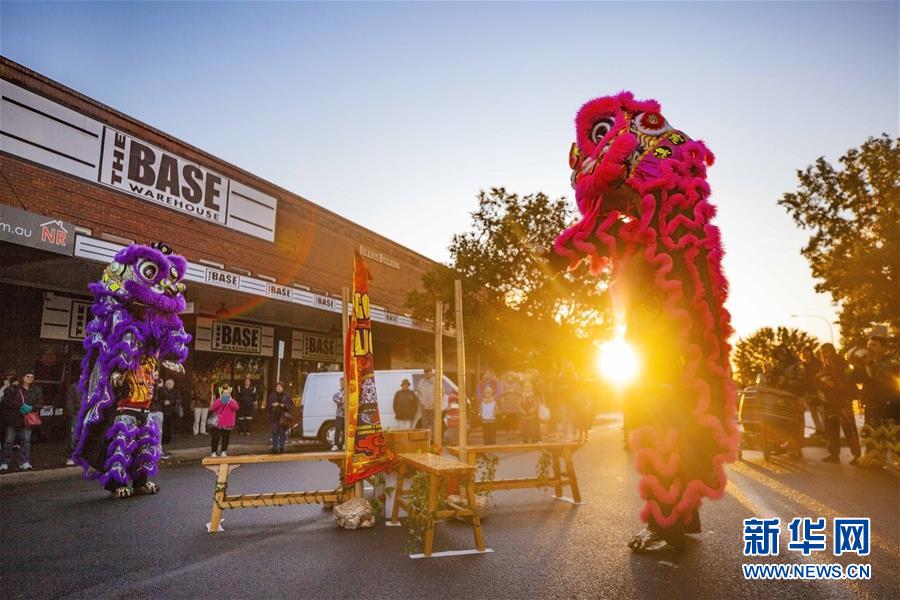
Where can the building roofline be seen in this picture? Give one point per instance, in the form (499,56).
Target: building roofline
(7,63)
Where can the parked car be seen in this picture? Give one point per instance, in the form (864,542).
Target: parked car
(318,408)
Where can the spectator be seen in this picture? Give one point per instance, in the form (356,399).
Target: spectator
(489,414)
(406,405)
(247,397)
(9,379)
(18,401)
(488,380)
(509,400)
(156,408)
(279,404)
(223,411)
(584,414)
(451,432)
(171,403)
(200,394)
(839,390)
(566,387)
(529,420)
(425,392)
(339,415)
(802,380)
(73,407)
(879,379)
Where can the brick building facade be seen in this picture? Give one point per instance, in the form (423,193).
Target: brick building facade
(260,256)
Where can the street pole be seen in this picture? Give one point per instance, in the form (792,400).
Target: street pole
(830,328)
(438,375)
(345,326)
(461,370)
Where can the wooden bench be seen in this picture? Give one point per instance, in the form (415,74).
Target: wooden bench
(437,468)
(223,466)
(560,451)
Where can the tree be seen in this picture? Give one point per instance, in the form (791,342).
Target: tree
(768,349)
(515,308)
(854,214)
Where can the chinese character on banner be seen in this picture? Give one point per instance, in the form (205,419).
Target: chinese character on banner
(851,536)
(807,535)
(761,537)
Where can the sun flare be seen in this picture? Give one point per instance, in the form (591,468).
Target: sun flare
(617,361)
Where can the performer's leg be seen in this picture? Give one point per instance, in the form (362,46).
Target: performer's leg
(122,443)
(204,414)
(226,434)
(144,462)
(198,412)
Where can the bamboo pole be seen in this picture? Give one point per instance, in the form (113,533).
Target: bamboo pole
(461,369)
(438,375)
(345,318)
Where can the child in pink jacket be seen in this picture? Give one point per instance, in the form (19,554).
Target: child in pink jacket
(222,412)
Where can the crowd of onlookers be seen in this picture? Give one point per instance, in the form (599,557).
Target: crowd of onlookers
(524,404)
(527,405)
(829,383)
(533,404)
(20,400)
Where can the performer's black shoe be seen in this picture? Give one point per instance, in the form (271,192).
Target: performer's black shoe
(146,489)
(647,541)
(121,492)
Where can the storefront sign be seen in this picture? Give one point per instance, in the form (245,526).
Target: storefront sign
(50,134)
(64,317)
(379,257)
(103,251)
(317,347)
(325,302)
(229,337)
(223,278)
(79,318)
(245,339)
(36,231)
(152,174)
(273,290)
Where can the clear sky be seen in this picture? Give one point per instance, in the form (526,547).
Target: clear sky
(395,115)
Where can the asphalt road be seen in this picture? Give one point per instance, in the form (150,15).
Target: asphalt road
(68,539)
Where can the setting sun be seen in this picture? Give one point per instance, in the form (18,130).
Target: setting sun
(617,361)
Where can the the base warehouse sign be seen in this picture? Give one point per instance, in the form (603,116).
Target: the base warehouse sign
(245,339)
(144,170)
(50,134)
(233,338)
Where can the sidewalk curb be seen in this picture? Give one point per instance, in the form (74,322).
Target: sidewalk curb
(178,457)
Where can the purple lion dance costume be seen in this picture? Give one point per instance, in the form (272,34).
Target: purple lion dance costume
(642,192)
(135,330)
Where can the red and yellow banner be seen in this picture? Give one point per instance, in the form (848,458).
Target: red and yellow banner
(366,453)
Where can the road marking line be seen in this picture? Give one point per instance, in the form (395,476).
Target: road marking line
(806,501)
(451,553)
(760,508)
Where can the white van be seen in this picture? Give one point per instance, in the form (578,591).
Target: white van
(318,407)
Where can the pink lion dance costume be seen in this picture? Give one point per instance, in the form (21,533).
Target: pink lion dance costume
(641,188)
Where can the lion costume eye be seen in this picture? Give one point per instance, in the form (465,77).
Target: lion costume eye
(148,270)
(173,274)
(601,129)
